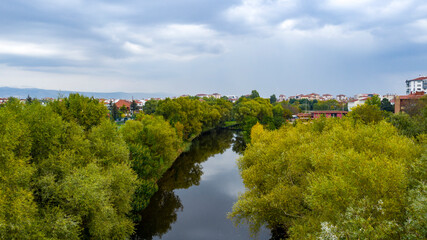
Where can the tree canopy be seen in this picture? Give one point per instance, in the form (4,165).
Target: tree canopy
(342,177)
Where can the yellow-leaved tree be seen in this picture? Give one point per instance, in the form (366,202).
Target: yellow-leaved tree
(331,179)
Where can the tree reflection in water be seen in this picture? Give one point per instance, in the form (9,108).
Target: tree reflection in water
(157,218)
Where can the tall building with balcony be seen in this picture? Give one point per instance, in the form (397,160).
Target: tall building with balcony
(416,85)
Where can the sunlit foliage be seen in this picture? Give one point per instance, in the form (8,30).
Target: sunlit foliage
(331,179)
(64,176)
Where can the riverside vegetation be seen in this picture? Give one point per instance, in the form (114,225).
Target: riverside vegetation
(68,172)
(360,177)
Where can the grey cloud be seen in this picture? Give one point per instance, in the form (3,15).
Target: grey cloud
(194,46)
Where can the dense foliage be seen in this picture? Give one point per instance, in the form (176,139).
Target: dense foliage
(192,116)
(153,145)
(87,112)
(64,176)
(352,178)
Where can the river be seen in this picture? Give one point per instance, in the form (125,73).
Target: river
(197,192)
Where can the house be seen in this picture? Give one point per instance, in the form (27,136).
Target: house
(216,95)
(327,97)
(406,102)
(313,96)
(120,103)
(341,98)
(140,103)
(3,100)
(281,98)
(202,95)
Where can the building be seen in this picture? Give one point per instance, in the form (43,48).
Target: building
(328,114)
(281,98)
(122,103)
(313,96)
(327,97)
(202,95)
(416,85)
(318,114)
(216,95)
(407,102)
(341,98)
(356,102)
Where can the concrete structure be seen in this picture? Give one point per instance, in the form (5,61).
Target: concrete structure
(281,98)
(416,85)
(403,103)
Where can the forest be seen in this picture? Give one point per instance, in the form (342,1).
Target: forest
(360,177)
(69,171)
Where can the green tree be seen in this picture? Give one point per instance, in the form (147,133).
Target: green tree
(123,109)
(153,145)
(374,101)
(29,100)
(344,177)
(60,181)
(254,94)
(150,106)
(87,112)
(18,211)
(133,106)
(115,113)
(407,125)
(273,99)
(386,105)
(367,113)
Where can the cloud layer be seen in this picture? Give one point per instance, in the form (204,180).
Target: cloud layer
(232,47)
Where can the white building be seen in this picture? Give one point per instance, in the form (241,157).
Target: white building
(281,98)
(341,98)
(327,97)
(216,95)
(355,103)
(416,85)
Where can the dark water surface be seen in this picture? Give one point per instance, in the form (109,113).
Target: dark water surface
(196,194)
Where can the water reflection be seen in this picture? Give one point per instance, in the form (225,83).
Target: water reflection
(239,144)
(157,218)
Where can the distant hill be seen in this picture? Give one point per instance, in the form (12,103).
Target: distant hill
(42,93)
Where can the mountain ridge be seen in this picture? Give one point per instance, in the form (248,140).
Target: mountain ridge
(43,93)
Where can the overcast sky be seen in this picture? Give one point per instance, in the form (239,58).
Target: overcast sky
(206,46)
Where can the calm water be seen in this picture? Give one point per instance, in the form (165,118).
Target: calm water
(196,194)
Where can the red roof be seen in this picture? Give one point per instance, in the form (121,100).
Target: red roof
(413,96)
(122,102)
(419,78)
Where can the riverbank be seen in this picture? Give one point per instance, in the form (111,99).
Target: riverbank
(196,193)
